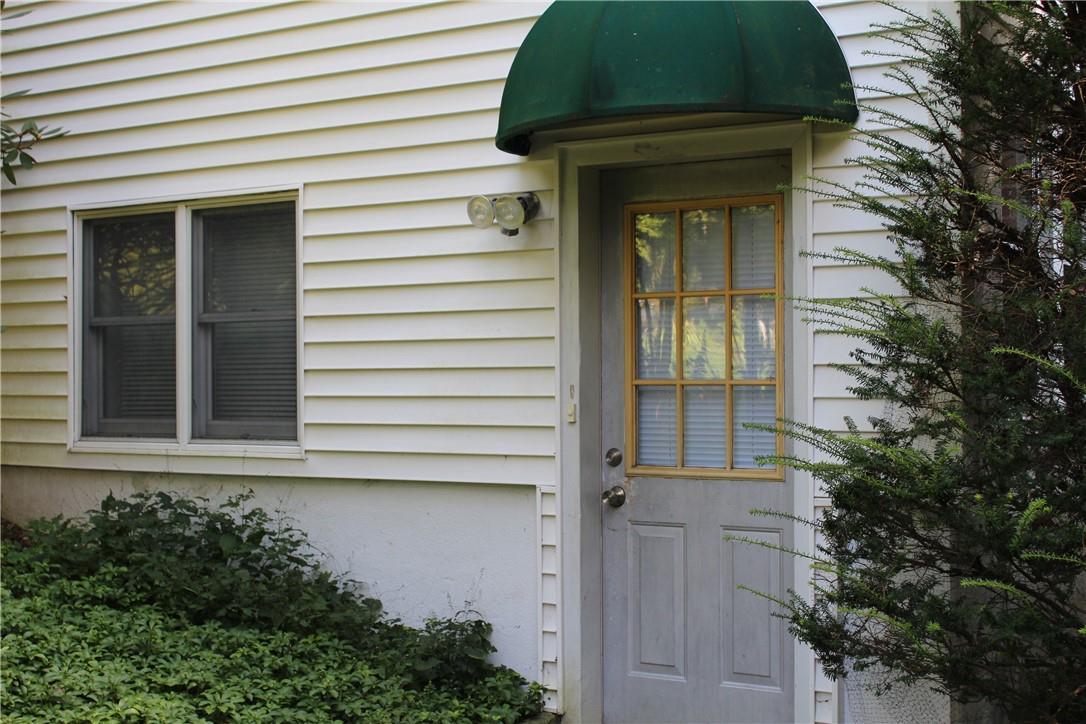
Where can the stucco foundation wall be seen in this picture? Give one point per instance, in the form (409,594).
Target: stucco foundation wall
(424,549)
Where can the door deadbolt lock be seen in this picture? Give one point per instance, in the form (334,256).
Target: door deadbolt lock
(613,457)
(614,496)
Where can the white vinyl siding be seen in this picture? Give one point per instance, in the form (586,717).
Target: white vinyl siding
(833,226)
(428,345)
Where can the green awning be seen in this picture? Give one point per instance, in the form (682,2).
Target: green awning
(587,60)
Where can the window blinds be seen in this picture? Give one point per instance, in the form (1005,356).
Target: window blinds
(246,324)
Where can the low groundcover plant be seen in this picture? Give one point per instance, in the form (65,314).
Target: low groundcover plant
(163,608)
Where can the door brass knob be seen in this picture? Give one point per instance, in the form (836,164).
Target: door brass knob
(613,457)
(614,496)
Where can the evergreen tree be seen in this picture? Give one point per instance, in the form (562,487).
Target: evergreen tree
(956,542)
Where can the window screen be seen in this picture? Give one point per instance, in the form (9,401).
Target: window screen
(245,366)
(703,291)
(129,386)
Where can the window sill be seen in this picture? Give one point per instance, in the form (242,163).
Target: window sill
(648,471)
(199,448)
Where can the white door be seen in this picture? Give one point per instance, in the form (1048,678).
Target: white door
(691,256)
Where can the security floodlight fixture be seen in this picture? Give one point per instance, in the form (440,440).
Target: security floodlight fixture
(480,211)
(513,212)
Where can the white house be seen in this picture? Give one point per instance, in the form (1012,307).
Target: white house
(249,265)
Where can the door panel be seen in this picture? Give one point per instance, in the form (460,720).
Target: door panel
(748,620)
(656,599)
(684,638)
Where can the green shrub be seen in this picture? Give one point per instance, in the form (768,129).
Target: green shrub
(163,608)
(227,563)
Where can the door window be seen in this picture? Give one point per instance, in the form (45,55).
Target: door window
(703,288)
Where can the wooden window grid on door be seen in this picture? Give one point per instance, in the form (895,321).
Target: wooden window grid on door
(639,296)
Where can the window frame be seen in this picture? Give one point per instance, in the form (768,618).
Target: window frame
(204,425)
(630,296)
(184,442)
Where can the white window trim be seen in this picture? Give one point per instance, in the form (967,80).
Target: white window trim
(183,208)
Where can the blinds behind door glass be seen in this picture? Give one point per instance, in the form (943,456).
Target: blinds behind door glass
(656,417)
(754,250)
(705,440)
(754,344)
(247,322)
(753,405)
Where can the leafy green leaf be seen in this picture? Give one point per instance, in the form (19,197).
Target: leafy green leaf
(228,543)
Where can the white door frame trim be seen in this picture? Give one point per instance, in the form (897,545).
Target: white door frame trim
(578,163)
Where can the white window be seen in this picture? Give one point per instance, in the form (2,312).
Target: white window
(217,282)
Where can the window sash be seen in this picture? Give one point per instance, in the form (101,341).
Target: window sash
(204,423)
(94,422)
(678,382)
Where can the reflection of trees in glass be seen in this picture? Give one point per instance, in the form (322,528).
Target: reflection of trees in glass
(703,338)
(753,356)
(739,338)
(703,250)
(753,246)
(655,338)
(654,245)
(703,317)
(134,266)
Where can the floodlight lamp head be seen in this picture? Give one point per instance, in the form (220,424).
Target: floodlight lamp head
(513,212)
(480,211)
